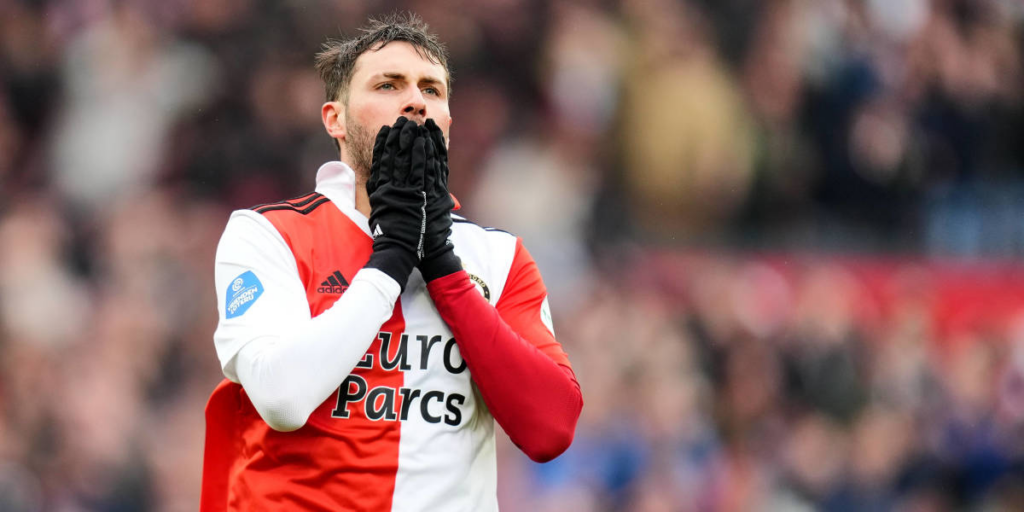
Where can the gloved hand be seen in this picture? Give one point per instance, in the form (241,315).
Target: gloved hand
(439,257)
(398,200)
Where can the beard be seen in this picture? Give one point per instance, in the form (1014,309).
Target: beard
(359,145)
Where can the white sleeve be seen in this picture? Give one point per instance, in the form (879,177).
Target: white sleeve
(288,362)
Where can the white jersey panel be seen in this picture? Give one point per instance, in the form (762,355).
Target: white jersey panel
(486,255)
(447,458)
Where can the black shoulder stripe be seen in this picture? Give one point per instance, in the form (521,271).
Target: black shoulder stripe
(464,221)
(295,209)
(304,211)
(304,202)
(307,198)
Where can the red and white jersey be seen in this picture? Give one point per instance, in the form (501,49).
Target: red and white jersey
(407,430)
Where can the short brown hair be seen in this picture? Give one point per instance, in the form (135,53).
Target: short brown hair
(337,58)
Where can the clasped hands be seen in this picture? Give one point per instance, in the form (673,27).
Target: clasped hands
(410,207)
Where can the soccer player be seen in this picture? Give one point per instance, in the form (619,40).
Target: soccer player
(371,338)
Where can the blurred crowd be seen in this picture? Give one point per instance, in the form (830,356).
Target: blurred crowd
(702,183)
(726,381)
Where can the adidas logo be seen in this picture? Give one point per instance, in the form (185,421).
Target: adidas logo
(377,231)
(335,284)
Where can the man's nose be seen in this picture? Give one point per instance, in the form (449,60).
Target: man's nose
(415,105)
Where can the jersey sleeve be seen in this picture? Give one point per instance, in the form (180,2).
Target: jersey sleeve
(524,306)
(259,292)
(266,339)
(519,368)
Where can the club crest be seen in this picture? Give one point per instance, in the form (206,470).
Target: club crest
(481,285)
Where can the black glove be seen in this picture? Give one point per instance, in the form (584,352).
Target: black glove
(397,199)
(439,258)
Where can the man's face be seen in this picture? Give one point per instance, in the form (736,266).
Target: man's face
(387,83)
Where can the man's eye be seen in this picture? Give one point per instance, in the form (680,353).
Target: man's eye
(386,86)
(431,90)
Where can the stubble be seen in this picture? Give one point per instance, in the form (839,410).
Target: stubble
(359,144)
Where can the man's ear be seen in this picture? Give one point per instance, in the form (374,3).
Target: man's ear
(333,116)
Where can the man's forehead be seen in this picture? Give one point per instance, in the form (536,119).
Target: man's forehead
(398,57)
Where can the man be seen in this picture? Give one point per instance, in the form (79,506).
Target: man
(369,337)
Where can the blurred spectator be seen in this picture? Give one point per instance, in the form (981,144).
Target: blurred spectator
(685,134)
(125,85)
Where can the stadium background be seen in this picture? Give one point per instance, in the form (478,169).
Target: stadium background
(783,238)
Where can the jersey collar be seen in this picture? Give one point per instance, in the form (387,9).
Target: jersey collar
(337,181)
